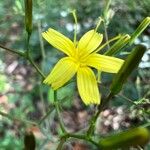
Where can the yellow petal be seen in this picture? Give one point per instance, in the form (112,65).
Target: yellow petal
(89,42)
(87,86)
(63,71)
(104,63)
(59,41)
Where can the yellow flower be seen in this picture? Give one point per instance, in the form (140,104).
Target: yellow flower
(79,60)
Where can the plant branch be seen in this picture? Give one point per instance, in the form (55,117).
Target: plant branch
(22,54)
(18,119)
(36,67)
(57,107)
(95,116)
(26,56)
(80,136)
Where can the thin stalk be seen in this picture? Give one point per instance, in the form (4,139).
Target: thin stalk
(41,41)
(42,100)
(58,113)
(52,107)
(82,137)
(106,43)
(46,115)
(27,45)
(26,56)
(36,67)
(60,145)
(96,115)
(106,34)
(18,119)
(22,54)
(76,24)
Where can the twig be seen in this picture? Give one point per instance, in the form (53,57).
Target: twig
(46,115)
(36,67)
(15,118)
(22,54)
(26,56)
(58,113)
(60,145)
(51,108)
(96,115)
(41,41)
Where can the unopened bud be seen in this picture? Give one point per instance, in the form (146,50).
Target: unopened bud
(28,15)
(131,138)
(124,39)
(144,24)
(129,65)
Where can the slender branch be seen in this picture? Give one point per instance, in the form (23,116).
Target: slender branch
(96,115)
(26,56)
(46,115)
(41,41)
(106,35)
(146,125)
(28,40)
(22,54)
(58,112)
(18,119)
(75,26)
(51,108)
(36,67)
(106,43)
(60,145)
(80,136)
(42,100)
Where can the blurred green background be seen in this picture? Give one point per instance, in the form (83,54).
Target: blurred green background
(21,92)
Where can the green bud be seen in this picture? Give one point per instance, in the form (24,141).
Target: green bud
(124,39)
(28,15)
(130,138)
(129,65)
(29,141)
(144,24)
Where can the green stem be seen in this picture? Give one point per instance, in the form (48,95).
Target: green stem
(18,119)
(146,125)
(62,141)
(41,41)
(22,54)
(26,56)
(106,43)
(36,67)
(82,137)
(46,115)
(51,108)
(96,115)
(28,40)
(42,100)
(57,107)
(106,35)
(75,28)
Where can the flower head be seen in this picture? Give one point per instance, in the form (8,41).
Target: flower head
(79,59)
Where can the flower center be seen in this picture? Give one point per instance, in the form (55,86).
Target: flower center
(78,59)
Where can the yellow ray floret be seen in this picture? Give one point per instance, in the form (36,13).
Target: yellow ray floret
(78,61)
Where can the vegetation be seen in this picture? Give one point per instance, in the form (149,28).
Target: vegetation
(34,116)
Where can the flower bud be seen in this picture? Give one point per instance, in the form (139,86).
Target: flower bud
(140,29)
(129,65)
(131,138)
(28,15)
(118,45)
